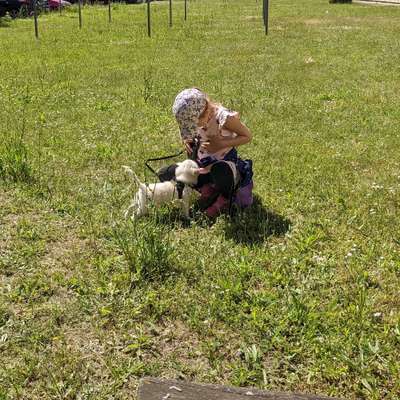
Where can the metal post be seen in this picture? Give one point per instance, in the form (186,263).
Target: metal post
(266,15)
(185,10)
(80,14)
(170,13)
(59,6)
(263,12)
(109,11)
(35,18)
(148,19)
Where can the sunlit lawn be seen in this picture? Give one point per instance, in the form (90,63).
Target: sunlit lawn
(299,293)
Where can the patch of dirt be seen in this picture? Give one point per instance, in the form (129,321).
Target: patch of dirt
(253,18)
(60,252)
(178,341)
(346,22)
(315,21)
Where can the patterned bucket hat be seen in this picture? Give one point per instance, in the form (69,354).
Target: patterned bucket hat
(187,108)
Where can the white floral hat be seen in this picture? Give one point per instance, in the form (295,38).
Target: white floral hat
(187,108)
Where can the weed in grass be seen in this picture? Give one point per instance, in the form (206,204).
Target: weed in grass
(15,165)
(32,289)
(250,370)
(252,356)
(147,249)
(148,86)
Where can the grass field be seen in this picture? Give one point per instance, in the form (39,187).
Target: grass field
(299,293)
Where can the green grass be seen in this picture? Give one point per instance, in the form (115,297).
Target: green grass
(299,293)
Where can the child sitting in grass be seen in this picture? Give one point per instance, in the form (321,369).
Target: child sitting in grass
(219,131)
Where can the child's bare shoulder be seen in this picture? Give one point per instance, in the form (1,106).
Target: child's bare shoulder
(223,114)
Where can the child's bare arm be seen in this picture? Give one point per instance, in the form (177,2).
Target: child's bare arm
(219,142)
(243,133)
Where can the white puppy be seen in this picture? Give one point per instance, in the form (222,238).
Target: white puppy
(187,172)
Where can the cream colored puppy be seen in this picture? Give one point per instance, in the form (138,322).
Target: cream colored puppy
(187,172)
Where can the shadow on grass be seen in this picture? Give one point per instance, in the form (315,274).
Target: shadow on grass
(171,217)
(255,224)
(250,226)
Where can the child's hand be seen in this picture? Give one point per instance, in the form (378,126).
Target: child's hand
(188,143)
(214,144)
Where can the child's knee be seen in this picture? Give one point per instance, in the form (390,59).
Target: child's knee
(244,196)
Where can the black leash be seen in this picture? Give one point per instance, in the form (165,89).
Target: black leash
(234,189)
(193,156)
(160,159)
(195,148)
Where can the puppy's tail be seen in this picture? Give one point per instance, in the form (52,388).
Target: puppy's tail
(130,172)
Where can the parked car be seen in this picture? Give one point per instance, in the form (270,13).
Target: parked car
(14,7)
(55,4)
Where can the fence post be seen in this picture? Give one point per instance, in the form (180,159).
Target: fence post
(35,19)
(185,10)
(109,11)
(266,15)
(170,13)
(80,14)
(148,19)
(263,11)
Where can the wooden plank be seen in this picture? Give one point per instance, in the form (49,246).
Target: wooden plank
(384,1)
(158,389)
(379,2)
